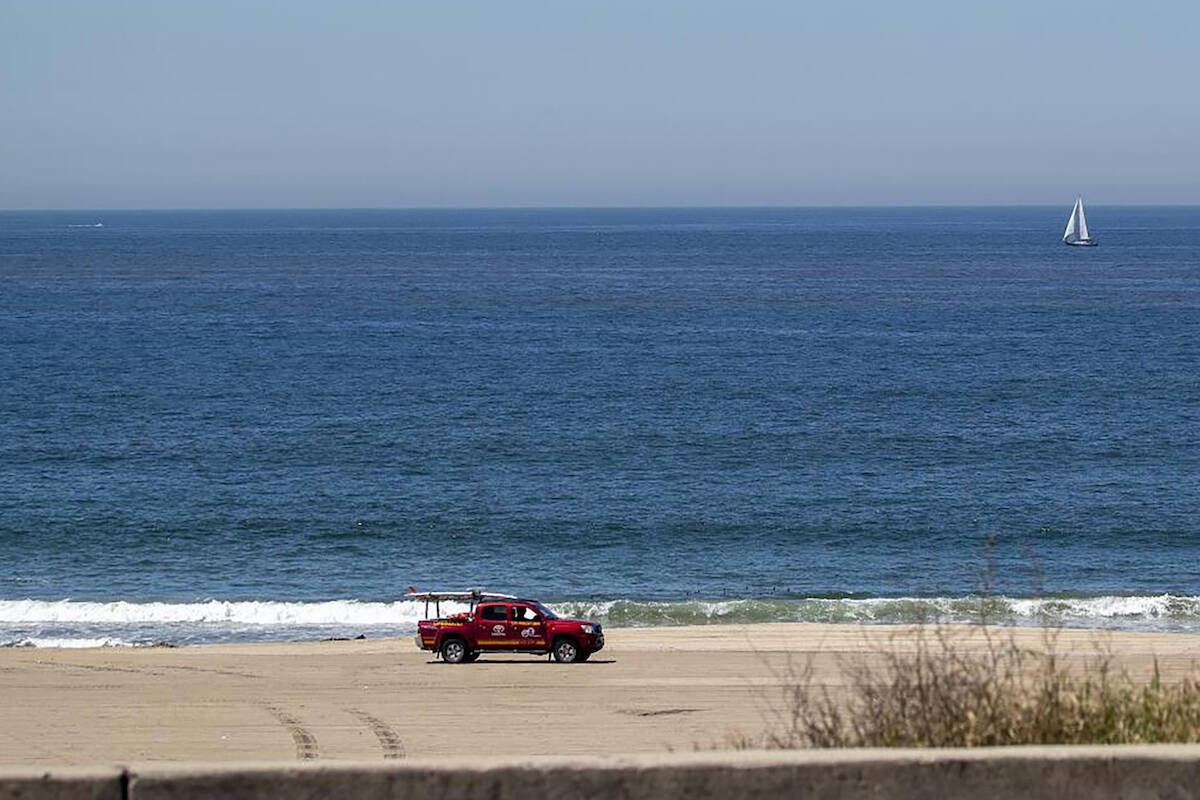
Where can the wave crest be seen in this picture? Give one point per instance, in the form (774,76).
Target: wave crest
(1143,611)
(1165,611)
(67,642)
(266,613)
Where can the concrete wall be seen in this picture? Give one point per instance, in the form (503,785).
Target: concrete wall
(64,783)
(1053,773)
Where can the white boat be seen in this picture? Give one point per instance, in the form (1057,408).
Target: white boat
(1076,233)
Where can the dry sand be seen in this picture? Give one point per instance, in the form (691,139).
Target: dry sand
(650,690)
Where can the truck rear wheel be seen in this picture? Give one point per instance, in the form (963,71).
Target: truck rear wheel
(566,651)
(454,651)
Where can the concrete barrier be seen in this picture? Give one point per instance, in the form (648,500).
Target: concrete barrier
(1024,773)
(1027,773)
(63,783)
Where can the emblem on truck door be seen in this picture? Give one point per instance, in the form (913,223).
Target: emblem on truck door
(497,630)
(528,633)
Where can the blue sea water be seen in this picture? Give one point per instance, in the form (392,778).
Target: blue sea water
(253,425)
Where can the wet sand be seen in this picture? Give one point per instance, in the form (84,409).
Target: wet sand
(650,690)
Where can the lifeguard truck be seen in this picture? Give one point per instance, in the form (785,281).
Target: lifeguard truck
(502,623)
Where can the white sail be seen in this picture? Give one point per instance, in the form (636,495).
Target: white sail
(1072,221)
(1077,227)
(1083,231)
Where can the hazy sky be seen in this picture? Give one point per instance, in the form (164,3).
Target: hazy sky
(245,103)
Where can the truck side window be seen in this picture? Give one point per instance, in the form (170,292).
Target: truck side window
(494,613)
(524,614)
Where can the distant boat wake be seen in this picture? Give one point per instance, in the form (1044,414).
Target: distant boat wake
(90,225)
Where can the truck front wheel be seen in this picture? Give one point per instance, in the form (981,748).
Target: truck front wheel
(566,651)
(454,651)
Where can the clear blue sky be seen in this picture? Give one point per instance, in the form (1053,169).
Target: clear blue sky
(246,103)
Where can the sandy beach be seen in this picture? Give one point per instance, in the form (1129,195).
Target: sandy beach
(650,690)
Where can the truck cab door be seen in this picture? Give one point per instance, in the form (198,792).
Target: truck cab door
(528,627)
(493,631)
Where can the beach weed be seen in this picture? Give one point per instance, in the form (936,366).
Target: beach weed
(973,686)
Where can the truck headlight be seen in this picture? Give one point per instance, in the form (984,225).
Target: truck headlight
(589,629)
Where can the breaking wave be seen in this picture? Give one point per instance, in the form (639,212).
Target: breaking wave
(1156,612)
(72,623)
(266,613)
(104,641)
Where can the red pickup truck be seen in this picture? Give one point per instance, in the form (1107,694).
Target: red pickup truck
(501,623)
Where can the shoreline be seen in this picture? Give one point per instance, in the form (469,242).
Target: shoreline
(650,690)
(83,623)
(30,642)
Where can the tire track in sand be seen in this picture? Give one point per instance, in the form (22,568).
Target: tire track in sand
(306,743)
(388,739)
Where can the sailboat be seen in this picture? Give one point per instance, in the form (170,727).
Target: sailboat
(1077,231)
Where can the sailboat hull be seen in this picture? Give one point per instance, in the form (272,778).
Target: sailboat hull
(1082,243)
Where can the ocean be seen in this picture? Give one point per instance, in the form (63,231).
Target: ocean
(265,425)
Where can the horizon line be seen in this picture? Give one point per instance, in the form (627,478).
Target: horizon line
(746,207)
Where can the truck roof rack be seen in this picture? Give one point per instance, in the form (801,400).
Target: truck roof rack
(471,595)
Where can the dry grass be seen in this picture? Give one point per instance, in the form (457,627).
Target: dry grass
(940,688)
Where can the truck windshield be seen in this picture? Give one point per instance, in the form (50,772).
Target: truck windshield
(545,612)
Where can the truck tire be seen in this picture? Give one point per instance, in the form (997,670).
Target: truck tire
(472,657)
(566,651)
(454,651)
(584,655)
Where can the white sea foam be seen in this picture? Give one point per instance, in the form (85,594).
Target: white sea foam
(267,613)
(39,641)
(91,619)
(1150,607)
(1143,611)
